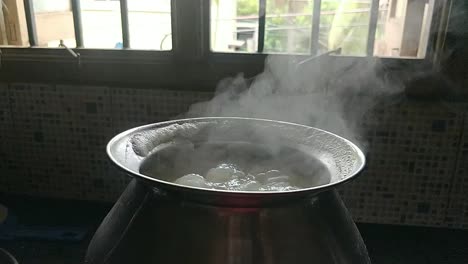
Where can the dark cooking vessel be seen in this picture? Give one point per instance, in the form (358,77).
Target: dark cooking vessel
(157,221)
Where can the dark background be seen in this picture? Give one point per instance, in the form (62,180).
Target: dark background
(54,128)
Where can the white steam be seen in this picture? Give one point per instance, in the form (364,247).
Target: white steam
(321,93)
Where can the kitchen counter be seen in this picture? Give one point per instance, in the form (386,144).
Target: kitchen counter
(46,217)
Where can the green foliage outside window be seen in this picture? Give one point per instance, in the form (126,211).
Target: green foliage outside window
(339,29)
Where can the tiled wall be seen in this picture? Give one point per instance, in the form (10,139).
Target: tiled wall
(412,158)
(53,137)
(457,213)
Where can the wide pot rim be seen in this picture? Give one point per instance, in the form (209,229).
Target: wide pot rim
(163,186)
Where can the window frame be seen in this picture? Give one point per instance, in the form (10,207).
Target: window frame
(191,61)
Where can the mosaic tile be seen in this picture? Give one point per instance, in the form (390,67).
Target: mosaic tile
(6,136)
(37,135)
(413,149)
(133,107)
(61,131)
(457,212)
(411,156)
(89,129)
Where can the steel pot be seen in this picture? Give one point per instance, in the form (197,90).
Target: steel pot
(158,221)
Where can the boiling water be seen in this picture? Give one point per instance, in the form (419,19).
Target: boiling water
(230,177)
(236,166)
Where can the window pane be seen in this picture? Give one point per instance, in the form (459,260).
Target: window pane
(13,24)
(403,26)
(54,22)
(403,29)
(234,25)
(150,24)
(51,5)
(102,26)
(344,24)
(288,26)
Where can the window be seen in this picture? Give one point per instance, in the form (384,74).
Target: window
(288,26)
(150,16)
(357,27)
(54,22)
(234,25)
(147,41)
(147,23)
(101,24)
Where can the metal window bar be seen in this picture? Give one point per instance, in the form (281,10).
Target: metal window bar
(77,24)
(261,25)
(315,33)
(125,27)
(30,22)
(374,16)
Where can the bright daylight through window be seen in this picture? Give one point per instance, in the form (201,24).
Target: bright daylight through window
(383,28)
(149,23)
(400,27)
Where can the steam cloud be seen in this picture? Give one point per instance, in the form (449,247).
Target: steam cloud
(321,93)
(328,93)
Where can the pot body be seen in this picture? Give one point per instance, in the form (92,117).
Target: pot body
(146,226)
(159,221)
